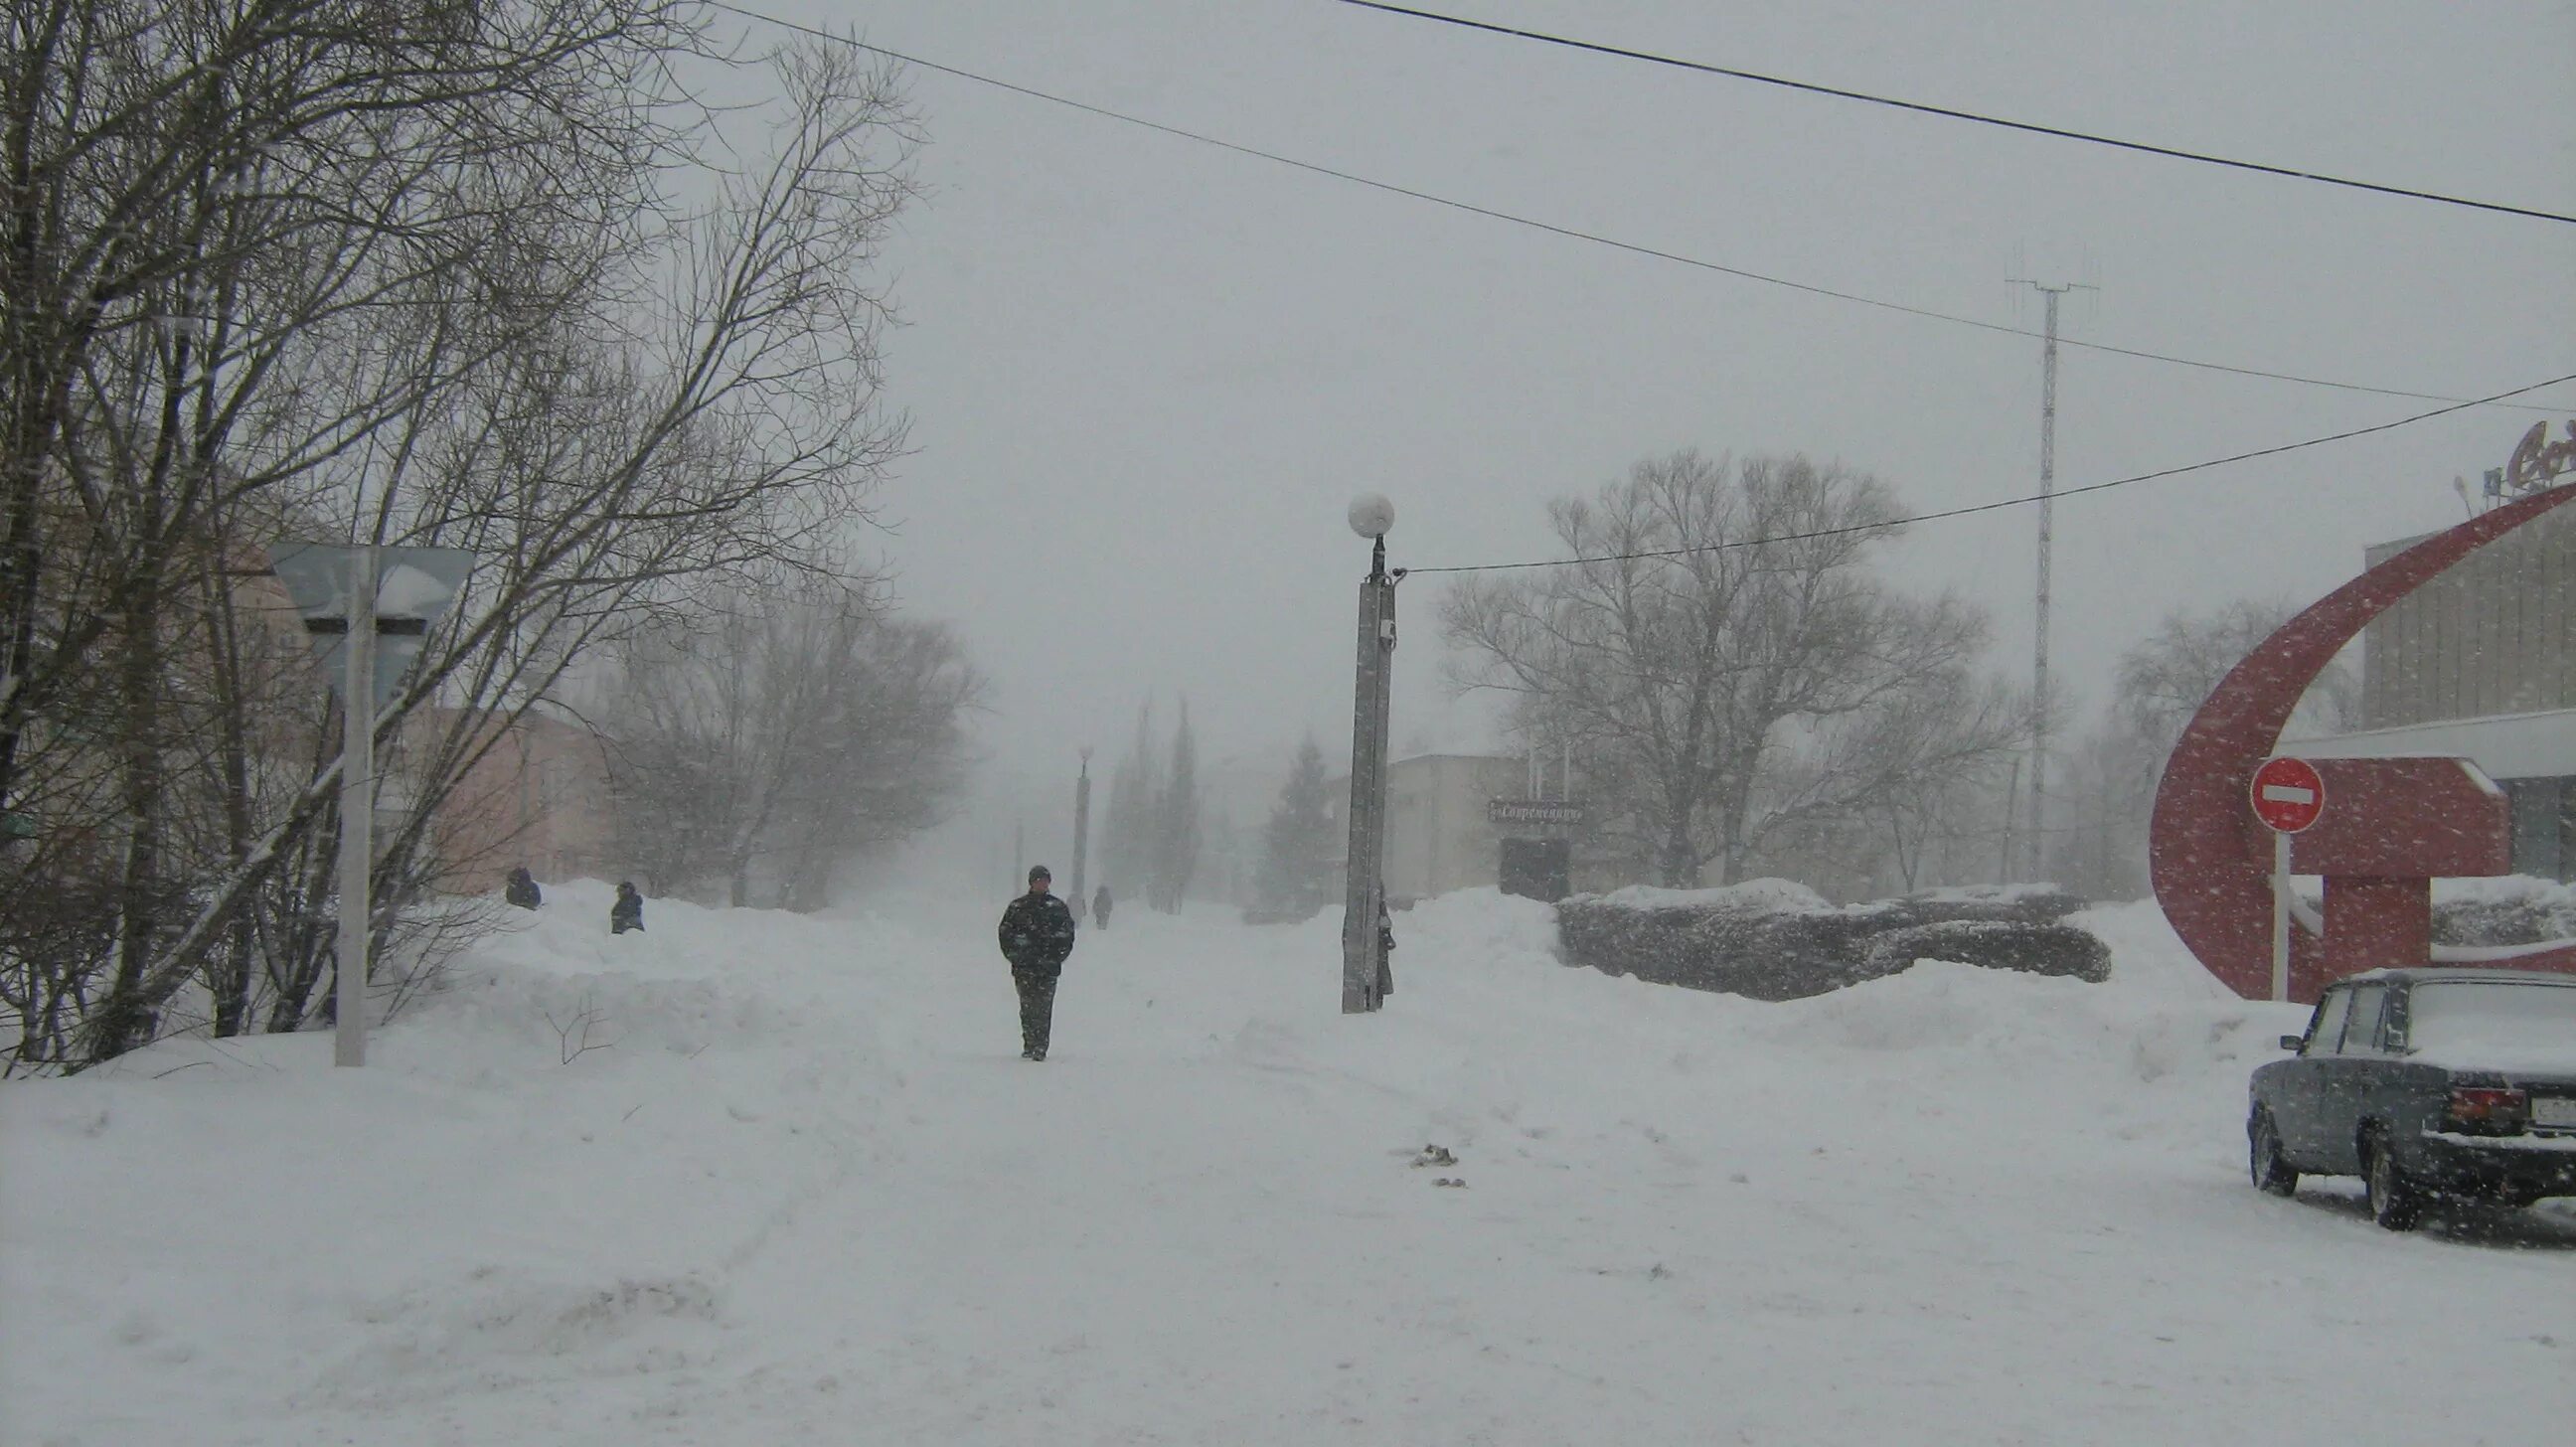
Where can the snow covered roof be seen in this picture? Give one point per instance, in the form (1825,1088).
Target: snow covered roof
(2507,746)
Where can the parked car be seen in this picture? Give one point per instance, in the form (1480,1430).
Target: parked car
(2425,1083)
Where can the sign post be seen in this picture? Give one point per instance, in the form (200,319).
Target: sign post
(357,812)
(2288,796)
(367,610)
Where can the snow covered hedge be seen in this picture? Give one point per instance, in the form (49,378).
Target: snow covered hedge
(1774,940)
(2038,949)
(2516,909)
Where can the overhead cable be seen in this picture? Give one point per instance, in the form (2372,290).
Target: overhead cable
(1951,113)
(1595,238)
(1998,506)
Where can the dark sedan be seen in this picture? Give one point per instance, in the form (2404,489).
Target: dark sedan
(2425,1083)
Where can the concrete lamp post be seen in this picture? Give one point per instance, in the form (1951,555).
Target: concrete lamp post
(368,610)
(1364,973)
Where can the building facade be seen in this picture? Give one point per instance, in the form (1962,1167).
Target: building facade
(2481,662)
(1441,836)
(539,798)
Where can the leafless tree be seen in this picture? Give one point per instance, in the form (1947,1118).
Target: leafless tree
(278,265)
(786,734)
(2165,678)
(1721,652)
(2162,681)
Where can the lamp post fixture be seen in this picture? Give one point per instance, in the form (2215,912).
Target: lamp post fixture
(368,610)
(1364,974)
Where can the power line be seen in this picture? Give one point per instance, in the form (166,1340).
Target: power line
(1949,113)
(1577,234)
(2004,503)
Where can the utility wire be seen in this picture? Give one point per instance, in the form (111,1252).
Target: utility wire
(2005,503)
(1948,113)
(1595,238)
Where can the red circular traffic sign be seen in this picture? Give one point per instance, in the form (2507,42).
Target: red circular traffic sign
(2288,794)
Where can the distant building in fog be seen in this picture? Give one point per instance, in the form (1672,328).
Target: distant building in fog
(1440,835)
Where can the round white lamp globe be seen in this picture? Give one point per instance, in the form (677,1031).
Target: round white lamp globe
(1372,516)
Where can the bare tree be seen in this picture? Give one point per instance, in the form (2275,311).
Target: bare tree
(198,198)
(386,267)
(2166,677)
(1720,649)
(1943,745)
(195,192)
(2162,681)
(789,733)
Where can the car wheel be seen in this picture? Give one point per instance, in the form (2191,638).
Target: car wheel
(2396,1202)
(2272,1174)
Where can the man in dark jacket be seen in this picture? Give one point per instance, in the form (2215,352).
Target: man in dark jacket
(522,889)
(628,912)
(1037,935)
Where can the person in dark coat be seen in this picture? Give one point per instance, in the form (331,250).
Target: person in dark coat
(1100,905)
(522,889)
(628,912)
(1037,934)
(1385,951)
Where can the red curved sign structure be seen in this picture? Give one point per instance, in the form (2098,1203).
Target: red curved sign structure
(2206,875)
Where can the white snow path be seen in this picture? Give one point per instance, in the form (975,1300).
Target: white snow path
(1946,1207)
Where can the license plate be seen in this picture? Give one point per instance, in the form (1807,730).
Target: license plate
(2554,1110)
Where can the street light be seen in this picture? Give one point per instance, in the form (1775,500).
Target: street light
(367,609)
(1363,882)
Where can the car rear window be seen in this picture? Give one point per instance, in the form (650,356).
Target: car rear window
(2466,1019)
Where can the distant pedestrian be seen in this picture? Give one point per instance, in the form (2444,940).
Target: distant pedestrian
(628,912)
(522,889)
(1037,934)
(1100,905)
(1385,951)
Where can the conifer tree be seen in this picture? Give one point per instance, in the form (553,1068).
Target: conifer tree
(1128,834)
(1177,833)
(1297,843)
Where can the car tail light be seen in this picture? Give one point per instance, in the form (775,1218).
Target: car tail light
(2488,1110)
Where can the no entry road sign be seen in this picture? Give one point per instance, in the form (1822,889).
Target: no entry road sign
(2288,795)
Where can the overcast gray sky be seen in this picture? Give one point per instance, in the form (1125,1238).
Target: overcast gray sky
(1147,375)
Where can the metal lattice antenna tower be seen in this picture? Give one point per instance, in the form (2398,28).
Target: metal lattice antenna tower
(2047,541)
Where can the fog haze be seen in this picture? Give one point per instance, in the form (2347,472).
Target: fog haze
(1146,375)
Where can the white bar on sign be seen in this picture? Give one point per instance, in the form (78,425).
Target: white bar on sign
(2288,794)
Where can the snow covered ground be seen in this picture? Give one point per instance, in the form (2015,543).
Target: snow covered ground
(809,1194)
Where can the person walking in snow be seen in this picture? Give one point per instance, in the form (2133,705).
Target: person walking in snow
(522,889)
(628,912)
(1037,934)
(1100,905)
(1385,951)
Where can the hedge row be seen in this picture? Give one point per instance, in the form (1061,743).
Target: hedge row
(2512,911)
(1771,950)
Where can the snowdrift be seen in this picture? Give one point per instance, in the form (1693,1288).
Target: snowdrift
(799,1188)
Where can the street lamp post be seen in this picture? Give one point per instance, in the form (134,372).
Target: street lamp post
(357,811)
(368,610)
(1364,884)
